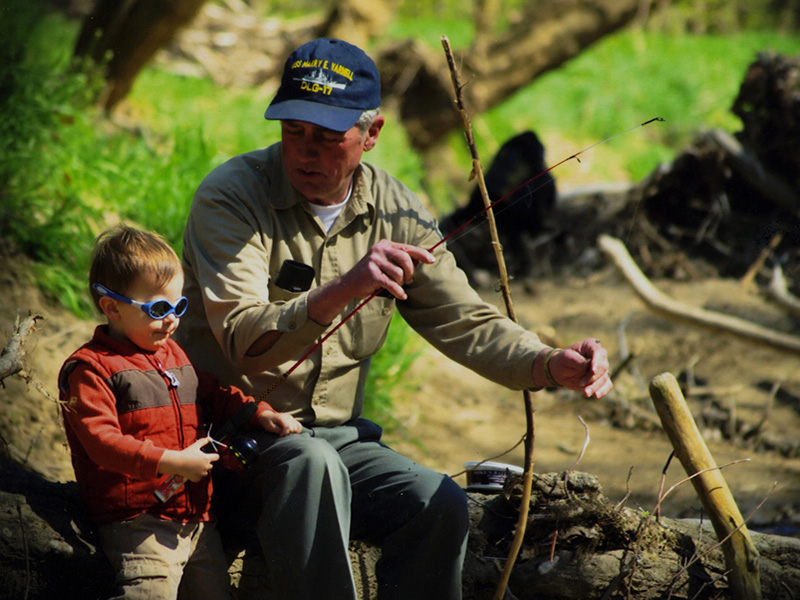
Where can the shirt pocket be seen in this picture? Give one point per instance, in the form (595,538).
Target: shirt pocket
(366,331)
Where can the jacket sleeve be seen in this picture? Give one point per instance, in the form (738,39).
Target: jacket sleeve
(90,411)
(224,402)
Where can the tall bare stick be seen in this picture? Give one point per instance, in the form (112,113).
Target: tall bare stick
(741,555)
(527,477)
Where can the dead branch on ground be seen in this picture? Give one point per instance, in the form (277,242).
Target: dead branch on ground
(12,356)
(779,293)
(672,309)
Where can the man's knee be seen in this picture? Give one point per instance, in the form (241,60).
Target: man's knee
(449,502)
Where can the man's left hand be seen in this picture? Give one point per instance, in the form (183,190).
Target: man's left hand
(583,367)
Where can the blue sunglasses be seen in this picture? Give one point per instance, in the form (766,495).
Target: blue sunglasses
(157,309)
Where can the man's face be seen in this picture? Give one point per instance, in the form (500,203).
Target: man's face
(320,162)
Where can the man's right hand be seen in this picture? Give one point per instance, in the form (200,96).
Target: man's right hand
(387,265)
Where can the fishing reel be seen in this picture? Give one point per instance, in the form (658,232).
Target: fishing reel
(236,449)
(239,453)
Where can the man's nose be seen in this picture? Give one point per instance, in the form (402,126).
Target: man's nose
(308,147)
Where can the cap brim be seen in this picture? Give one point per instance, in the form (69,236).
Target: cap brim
(330,117)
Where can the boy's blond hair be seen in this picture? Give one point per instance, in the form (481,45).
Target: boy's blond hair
(122,254)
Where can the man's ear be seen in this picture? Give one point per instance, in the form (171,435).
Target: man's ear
(371,137)
(109,308)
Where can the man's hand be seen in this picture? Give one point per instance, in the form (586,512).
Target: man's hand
(387,265)
(279,423)
(582,367)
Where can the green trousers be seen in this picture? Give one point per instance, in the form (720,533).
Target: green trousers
(310,493)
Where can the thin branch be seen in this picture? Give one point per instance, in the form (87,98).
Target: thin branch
(661,484)
(690,477)
(627,495)
(527,478)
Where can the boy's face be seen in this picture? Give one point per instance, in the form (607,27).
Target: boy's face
(131,322)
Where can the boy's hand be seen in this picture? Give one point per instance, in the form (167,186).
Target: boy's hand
(191,462)
(279,423)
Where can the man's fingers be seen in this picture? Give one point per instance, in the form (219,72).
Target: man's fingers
(419,254)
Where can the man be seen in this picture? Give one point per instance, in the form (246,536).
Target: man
(310,204)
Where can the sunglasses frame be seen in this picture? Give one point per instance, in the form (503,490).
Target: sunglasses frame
(145,306)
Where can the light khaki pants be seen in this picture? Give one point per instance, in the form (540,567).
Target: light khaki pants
(156,559)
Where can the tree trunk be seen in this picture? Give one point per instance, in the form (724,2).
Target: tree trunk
(127,34)
(548,34)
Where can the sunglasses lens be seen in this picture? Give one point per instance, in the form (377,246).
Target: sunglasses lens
(181,307)
(158,310)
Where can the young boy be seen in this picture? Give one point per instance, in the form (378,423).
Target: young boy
(135,412)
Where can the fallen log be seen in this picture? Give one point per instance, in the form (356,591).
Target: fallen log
(578,545)
(691,315)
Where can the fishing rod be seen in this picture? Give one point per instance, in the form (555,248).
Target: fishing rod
(537,176)
(444,239)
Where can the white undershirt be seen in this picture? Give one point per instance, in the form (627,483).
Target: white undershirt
(328,213)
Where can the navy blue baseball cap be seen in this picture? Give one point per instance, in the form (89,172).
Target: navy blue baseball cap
(327,82)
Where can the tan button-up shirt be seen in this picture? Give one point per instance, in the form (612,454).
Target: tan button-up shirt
(246,219)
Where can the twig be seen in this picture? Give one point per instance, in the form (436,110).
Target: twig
(627,495)
(527,479)
(693,475)
(661,484)
(623,365)
(495,457)
(580,456)
(779,293)
(626,355)
(756,267)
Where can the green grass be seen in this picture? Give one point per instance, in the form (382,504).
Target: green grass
(626,79)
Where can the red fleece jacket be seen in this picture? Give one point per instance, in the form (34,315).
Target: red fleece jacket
(123,407)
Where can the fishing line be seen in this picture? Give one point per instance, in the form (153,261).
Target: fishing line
(497,212)
(537,176)
(444,239)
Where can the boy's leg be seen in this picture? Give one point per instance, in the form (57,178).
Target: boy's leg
(144,555)
(205,574)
